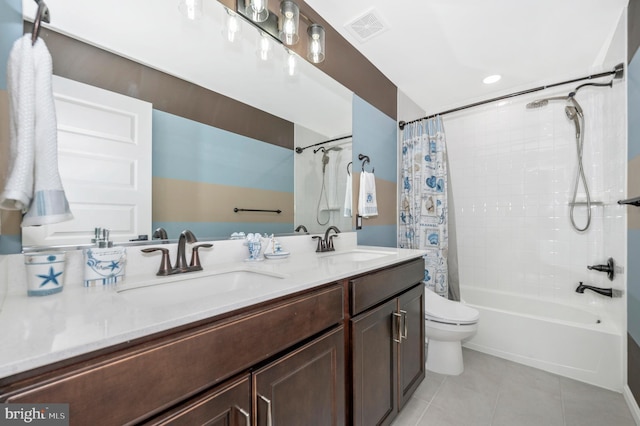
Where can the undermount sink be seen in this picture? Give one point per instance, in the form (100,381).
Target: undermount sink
(357,255)
(189,287)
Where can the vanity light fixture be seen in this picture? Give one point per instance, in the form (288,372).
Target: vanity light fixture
(191,9)
(289,22)
(257,10)
(492,79)
(315,46)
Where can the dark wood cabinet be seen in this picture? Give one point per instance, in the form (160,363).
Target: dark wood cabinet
(411,356)
(387,344)
(226,405)
(305,387)
(374,360)
(350,352)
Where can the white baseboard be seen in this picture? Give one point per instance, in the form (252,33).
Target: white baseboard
(631,402)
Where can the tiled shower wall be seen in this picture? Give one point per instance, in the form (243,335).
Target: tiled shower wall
(513,171)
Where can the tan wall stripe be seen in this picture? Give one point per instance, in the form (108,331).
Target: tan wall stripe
(386,194)
(184,201)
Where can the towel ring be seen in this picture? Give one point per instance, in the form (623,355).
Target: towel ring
(350,164)
(365,160)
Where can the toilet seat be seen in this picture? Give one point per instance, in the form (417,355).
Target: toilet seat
(441,310)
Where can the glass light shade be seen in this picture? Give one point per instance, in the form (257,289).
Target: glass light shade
(289,22)
(191,9)
(232,26)
(315,47)
(264,46)
(257,10)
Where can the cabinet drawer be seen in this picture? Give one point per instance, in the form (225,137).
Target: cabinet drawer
(134,384)
(372,289)
(228,404)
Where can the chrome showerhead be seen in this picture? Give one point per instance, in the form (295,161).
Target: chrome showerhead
(334,148)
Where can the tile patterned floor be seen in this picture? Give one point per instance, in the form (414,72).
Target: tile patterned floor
(496,392)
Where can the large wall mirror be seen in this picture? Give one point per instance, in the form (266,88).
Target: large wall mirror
(200,51)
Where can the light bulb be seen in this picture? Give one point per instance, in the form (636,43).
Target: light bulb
(257,10)
(316,44)
(289,22)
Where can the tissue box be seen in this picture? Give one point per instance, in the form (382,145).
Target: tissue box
(104,265)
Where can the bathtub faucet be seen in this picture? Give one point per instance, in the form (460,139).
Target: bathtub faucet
(609,292)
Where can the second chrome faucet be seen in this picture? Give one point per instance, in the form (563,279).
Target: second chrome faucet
(181,266)
(326,243)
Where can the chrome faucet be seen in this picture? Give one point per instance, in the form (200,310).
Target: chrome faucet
(186,236)
(609,292)
(301,228)
(326,243)
(160,233)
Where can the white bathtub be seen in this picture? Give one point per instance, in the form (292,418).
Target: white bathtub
(561,339)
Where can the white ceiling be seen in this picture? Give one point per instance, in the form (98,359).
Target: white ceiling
(435,51)
(438,51)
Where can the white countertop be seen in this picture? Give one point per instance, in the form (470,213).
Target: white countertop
(36,331)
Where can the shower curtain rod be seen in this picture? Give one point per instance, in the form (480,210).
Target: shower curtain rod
(617,71)
(299,150)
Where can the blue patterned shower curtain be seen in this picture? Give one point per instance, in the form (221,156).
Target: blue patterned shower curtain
(423,199)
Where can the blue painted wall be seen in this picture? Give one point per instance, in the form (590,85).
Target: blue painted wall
(193,153)
(10,31)
(375,135)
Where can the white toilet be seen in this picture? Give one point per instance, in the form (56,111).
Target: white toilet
(447,323)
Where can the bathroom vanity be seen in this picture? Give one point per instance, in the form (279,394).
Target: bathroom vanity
(343,348)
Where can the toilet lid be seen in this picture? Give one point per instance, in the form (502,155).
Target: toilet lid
(440,309)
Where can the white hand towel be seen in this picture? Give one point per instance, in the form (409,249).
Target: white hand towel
(37,183)
(367,200)
(18,189)
(348,197)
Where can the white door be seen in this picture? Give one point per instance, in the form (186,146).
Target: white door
(104,153)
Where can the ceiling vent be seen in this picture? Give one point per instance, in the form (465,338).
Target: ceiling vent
(367,26)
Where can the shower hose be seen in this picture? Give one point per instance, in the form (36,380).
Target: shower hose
(580,177)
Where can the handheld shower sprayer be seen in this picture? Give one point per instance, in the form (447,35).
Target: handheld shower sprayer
(573,115)
(574,112)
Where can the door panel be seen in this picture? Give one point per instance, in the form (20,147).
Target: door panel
(375,366)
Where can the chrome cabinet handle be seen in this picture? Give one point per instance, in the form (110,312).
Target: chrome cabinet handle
(246,416)
(406,328)
(269,416)
(397,318)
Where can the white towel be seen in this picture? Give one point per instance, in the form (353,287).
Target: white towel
(18,189)
(367,201)
(348,197)
(34,139)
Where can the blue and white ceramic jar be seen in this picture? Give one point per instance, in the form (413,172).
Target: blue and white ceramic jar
(45,273)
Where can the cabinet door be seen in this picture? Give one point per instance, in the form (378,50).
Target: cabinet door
(411,349)
(304,387)
(374,361)
(226,405)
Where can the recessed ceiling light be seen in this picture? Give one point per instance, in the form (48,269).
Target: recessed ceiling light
(492,79)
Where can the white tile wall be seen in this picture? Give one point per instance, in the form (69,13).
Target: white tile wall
(513,171)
